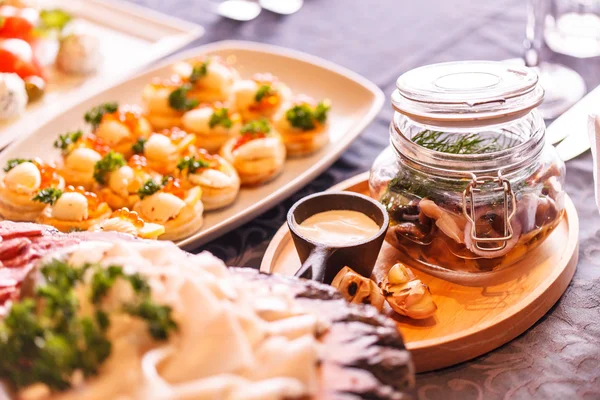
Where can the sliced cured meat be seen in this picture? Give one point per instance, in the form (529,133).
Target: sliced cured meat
(12,247)
(9,229)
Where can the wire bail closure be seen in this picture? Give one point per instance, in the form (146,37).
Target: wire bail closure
(469,211)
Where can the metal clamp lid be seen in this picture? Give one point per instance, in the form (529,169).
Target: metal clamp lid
(469,211)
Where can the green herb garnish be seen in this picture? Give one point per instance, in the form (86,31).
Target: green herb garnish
(157,316)
(455,143)
(10,164)
(303,116)
(54,19)
(94,116)
(64,141)
(263,91)
(192,164)
(43,339)
(178,98)
(106,164)
(138,147)
(321,111)
(48,195)
(220,117)
(198,71)
(149,188)
(258,126)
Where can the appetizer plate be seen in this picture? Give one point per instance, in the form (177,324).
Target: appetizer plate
(355,102)
(130,37)
(470,320)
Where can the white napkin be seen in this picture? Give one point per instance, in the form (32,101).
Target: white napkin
(594,132)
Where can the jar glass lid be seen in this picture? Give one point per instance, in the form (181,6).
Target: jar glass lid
(468,91)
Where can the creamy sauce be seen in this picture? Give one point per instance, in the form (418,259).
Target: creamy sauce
(338,227)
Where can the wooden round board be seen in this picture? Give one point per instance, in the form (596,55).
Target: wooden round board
(470,320)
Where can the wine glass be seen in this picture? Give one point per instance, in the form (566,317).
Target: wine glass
(563,86)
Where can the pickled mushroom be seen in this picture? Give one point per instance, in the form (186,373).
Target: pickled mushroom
(452,225)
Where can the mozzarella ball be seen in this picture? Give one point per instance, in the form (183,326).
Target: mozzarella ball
(24,178)
(13,96)
(112,132)
(160,207)
(82,159)
(159,147)
(218,76)
(244,93)
(120,179)
(197,120)
(79,54)
(71,206)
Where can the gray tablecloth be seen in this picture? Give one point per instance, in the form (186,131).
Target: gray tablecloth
(559,357)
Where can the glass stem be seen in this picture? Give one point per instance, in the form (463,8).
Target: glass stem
(534,33)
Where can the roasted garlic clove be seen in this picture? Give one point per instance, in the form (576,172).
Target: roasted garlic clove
(357,289)
(407,295)
(399,274)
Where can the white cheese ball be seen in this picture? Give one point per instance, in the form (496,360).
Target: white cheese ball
(159,147)
(82,159)
(112,132)
(71,206)
(79,54)
(244,93)
(218,76)
(13,96)
(120,180)
(198,120)
(160,207)
(24,178)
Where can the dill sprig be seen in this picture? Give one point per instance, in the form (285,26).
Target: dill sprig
(471,143)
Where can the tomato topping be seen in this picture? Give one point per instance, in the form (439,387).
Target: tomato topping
(17,56)
(17,22)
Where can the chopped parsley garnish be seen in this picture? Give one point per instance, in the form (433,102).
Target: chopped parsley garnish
(258,126)
(178,98)
(43,339)
(138,147)
(192,164)
(108,163)
(198,71)
(149,188)
(263,91)
(94,116)
(48,195)
(64,141)
(10,164)
(321,111)
(158,317)
(303,116)
(220,117)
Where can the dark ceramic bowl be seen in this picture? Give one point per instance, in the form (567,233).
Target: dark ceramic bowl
(322,262)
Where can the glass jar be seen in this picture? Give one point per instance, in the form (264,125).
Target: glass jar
(468,181)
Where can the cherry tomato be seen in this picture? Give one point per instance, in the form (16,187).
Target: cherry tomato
(17,56)
(17,22)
